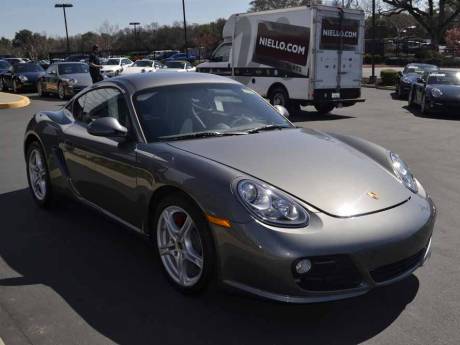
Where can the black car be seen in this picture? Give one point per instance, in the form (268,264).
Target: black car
(4,66)
(64,79)
(409,76)
(436,91)
(21,76)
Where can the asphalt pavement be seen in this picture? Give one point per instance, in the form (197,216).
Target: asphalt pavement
(72,276)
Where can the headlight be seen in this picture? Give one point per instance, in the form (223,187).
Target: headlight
(22,78)
(405,80)
(403,173)
(70,81)
(270,205)
(436,92)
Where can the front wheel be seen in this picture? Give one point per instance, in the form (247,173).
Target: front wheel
(184,243)
(38,176)
(324,108)
(15,87)
(61,91)
(3,85)
(424,107)
(40,90)
(410,99)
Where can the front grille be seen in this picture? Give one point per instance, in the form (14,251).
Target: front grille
(330,273)
(395,269)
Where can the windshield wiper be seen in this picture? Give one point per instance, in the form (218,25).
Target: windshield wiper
(267,128)
(200,135)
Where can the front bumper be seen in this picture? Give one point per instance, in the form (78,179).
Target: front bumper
(378,249)
(447,105)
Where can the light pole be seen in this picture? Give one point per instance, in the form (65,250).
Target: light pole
(135,24)
(373,78)
(64,6)
(185,29)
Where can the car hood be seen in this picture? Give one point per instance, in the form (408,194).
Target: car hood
(448,91)
(310,165)
(110,67)
(32,76)
(83,79)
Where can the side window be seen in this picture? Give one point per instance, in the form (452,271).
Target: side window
(104,102)
(222,54)
(125,62)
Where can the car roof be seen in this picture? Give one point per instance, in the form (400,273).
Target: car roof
(141,81)
(69,63)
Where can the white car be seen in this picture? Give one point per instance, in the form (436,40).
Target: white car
(115,66)
(141,66)
(179,66)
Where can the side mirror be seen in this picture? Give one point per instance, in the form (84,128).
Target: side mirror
(107,127)
(282,110)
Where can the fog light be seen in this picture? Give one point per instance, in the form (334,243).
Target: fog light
(303,266)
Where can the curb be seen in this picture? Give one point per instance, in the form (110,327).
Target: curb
(10,101)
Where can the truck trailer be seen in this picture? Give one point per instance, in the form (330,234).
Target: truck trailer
(310,55)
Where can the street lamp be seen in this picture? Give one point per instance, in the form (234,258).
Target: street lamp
(135,24)
(64,6)
(185,29)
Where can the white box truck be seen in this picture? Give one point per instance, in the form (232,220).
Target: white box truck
(295,56)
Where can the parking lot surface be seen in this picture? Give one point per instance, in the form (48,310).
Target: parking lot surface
(73,277)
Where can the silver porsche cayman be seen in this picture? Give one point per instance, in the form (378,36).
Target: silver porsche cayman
(229,190)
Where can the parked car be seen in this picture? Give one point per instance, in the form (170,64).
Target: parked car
(179,66)
(161,54)
(64,79)
(141,66)
(114,66)
(409,76)
(21,76)
(77,58)
(194,165)
(436,91)
(180,56)
(44,63)
(4,66)
(14,60)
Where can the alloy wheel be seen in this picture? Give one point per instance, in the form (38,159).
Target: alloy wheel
(37,174)
(61,91)
(15,86)
(180,246)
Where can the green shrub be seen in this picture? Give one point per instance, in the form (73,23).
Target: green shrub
(388,77)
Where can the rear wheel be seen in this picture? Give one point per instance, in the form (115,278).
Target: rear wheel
(279,96)
(184,243)
(324,108)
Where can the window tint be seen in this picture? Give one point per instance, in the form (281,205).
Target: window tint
(105,102)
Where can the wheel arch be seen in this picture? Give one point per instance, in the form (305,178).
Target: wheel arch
(159,194)
(29,139)
(276,85)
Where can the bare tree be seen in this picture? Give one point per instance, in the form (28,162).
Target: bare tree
(434,16)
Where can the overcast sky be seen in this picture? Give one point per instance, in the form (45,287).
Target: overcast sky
(88,15)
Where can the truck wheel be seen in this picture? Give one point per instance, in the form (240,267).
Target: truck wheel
(279,96)
(324,108)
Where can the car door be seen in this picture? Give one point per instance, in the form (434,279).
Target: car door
(103,170)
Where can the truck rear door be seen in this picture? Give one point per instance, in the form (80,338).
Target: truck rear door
(337,53)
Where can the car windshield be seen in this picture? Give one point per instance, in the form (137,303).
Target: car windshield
(143,63)
(420,69)
(14,61)
(444,78)
(172,112)
(4,65)
(174,64)
(73,68)
(27,67)
(113,62)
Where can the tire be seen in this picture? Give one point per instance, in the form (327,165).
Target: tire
(15,87)
(279,96)
(424,109)
(410,99)
(61,92)
(324,108)
(38,176)
(192,252)
(3,85)
(40,90)
(400,92)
